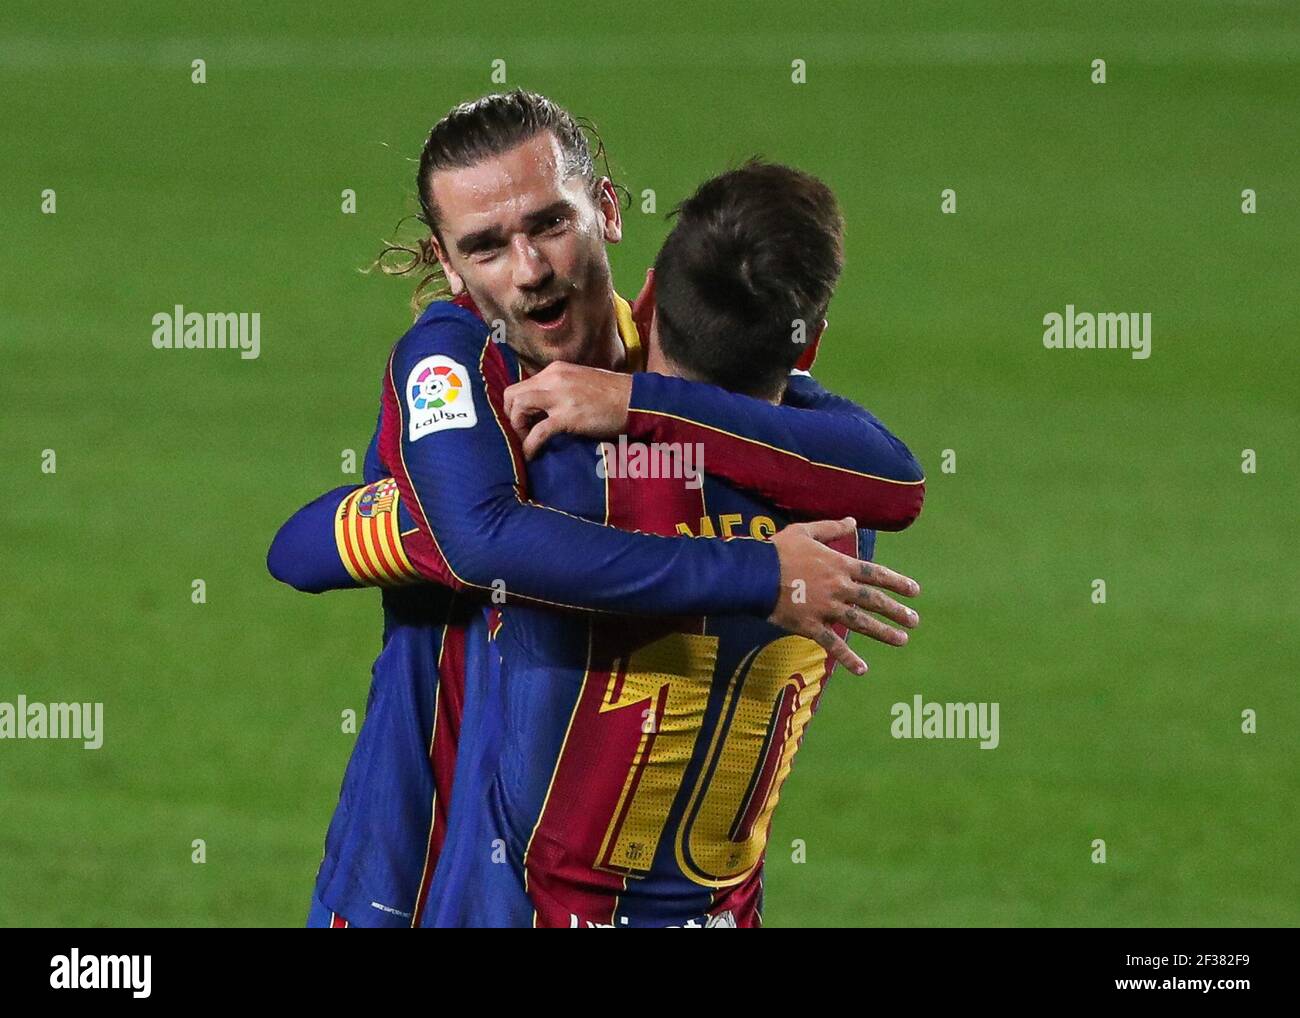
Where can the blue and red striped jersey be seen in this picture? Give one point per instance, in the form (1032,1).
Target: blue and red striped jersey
(625,769)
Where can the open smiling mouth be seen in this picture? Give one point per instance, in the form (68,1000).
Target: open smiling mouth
(549,316)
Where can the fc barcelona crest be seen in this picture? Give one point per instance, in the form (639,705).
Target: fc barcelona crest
(377,498)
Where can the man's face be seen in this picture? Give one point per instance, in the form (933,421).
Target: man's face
(529,246)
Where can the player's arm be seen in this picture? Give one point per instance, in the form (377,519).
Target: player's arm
(317,549)
(461,472)
(817,456)
(462,478)
(898,465)
(348,537)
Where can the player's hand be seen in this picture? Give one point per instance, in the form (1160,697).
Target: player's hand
(821,588)
(568,399)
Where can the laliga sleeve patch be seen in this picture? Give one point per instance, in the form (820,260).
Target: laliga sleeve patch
(438,397)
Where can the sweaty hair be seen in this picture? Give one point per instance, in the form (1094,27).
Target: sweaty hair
(470,133)
(753,252)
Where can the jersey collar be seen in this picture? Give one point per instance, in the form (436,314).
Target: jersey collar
(632,346)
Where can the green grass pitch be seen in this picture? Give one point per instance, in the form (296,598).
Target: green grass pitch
(1119,721)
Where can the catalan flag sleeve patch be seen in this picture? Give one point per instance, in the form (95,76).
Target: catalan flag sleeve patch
(368,533)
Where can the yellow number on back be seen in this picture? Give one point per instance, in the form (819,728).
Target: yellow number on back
(769,703)
(671,677)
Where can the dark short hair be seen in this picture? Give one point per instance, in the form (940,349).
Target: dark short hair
(752,252)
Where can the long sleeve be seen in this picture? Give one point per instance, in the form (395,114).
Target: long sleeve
(348,537)
(446,440)
(816,456)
